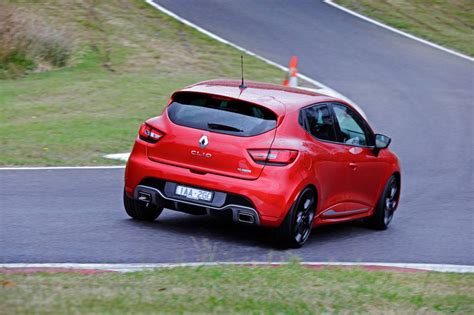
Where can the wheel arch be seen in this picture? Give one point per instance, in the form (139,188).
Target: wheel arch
(315,190)
(297,192)
(398,178)
(397,175)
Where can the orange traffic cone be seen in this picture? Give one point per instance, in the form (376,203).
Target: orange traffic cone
(292,78)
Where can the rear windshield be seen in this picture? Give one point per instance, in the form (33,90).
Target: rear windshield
(218,114)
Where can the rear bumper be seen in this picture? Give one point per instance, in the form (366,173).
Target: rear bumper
(238,213)
(270,196)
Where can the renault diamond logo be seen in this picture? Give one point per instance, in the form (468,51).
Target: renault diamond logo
(203,142)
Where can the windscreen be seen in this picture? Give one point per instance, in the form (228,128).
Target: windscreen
(219,114)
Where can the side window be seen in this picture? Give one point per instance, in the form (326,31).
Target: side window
(350,128)
(319,122)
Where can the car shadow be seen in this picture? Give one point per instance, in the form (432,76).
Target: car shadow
(219,229)
(213,228)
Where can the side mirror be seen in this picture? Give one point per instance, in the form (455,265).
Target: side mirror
(381,142)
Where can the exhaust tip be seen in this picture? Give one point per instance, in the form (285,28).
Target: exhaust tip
(246,218)
(145,197)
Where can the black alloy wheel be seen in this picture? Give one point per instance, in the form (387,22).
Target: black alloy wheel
(385,208)
(296,228)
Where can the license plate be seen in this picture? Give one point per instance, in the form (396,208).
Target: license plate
(193,193)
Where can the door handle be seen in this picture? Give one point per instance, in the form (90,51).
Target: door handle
(353,165)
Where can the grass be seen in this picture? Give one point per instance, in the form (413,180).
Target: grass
(291,289)
(446,22)
(27,43)
(127,60)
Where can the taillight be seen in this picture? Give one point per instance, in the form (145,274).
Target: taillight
(149,134)
(274,156)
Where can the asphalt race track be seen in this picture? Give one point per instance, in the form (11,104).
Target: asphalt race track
(420,96)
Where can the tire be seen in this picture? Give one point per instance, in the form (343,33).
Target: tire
(296,228)
(140,210)
(385,208)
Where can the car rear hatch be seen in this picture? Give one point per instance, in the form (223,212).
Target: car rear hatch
(211,134)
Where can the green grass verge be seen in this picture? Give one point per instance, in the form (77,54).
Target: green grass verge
(128,59)
(291,289)
(446,22)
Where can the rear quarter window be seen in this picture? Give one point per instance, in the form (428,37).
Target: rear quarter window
(318,121)
(221,115)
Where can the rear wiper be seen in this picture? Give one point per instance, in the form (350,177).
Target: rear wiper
(223,127)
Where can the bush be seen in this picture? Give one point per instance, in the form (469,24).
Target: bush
(27,42)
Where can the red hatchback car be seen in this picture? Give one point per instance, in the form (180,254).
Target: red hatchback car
(265,155)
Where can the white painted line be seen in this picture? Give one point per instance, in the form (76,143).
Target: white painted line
(224,41)
(29,168)
(118,156)
(424,41)
(140,267)
(248,52)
